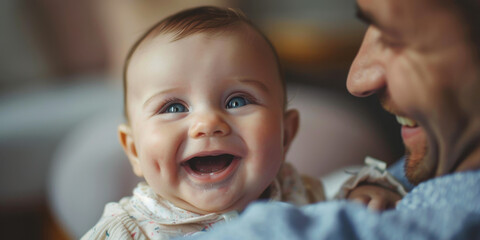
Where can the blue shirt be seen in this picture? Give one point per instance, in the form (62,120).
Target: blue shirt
(446,207)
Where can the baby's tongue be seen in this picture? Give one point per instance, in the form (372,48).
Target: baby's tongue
(210,164)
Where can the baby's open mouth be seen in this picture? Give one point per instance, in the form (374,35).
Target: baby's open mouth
(209,164)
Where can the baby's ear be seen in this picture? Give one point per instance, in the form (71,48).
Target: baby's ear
(126,140)
(290,127)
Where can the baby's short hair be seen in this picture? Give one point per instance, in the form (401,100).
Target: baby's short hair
(196,20)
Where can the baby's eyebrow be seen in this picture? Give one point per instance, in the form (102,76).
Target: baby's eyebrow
(254,82)
(159,93)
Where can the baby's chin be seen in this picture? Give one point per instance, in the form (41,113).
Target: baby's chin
(209,208)
(210,204)
(233,198)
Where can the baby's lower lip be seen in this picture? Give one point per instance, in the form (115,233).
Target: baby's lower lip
(217,176)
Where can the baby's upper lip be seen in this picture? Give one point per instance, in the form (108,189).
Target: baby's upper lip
(209,153)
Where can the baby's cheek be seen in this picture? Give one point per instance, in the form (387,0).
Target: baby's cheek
(150,166)
(266,124)
(157,175)
(161,167)
(268,145)
(152,157)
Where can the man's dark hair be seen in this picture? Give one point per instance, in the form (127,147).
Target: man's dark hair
(470,11)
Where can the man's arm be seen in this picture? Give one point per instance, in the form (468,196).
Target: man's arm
(343,220)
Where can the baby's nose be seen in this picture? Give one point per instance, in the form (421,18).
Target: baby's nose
(209,125)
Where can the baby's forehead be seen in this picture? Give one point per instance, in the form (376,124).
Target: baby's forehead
(231,41)
(166,46)
(243,31)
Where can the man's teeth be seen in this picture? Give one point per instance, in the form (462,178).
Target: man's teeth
(406,121)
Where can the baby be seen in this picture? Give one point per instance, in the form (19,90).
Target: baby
(207,127)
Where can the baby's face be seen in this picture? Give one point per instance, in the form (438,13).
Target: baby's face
(207,123)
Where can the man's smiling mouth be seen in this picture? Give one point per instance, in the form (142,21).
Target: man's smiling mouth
(412,134)
(209,164)
(404,121)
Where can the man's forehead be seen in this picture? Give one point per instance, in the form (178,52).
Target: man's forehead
(398,7)
(387,13)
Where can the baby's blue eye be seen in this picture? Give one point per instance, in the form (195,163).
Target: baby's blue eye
(176,108)
(237,102)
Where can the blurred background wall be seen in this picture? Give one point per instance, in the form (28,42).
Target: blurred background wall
(60,67)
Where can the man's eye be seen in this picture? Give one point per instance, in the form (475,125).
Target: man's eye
(237,102)
(391,42)
(176,108)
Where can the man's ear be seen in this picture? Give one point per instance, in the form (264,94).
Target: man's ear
(290,127)
(126,140)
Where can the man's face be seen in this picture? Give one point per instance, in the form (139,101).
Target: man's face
(207,120)
(417,57)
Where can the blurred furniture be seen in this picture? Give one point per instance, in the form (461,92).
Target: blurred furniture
(33,122)
(89,169)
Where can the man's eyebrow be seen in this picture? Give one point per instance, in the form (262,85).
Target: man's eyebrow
(369,19)
(364,16)
(254,82)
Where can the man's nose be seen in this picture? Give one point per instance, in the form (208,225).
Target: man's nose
(367,73)
(209,124)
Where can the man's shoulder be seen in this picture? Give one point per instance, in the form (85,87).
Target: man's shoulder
(457,190)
